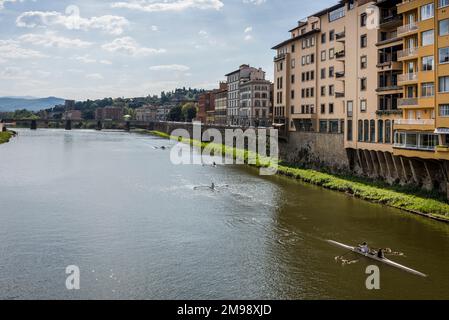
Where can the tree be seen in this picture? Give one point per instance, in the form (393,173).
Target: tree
(175,114)
(189,111)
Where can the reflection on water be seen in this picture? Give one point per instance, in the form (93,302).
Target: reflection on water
(115,206)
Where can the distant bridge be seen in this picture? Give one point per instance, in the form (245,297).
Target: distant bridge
(68,124)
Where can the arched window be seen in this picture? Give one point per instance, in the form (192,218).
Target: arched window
(366,130)
(380,131)
(387,131)
(372,127)
(360,131)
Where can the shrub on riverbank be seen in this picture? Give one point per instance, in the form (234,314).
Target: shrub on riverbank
(5,136)
(409,200)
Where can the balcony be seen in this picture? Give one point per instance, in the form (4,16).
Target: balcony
(408,102)
(390,21)
(339,94)
(425,122)
(390,65)
(407,77)
(393,87)
(340,54)
(408,29)
(280,57)
(340,36)
(339,74)
(408,53)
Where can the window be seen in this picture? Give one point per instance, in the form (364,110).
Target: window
(292,109)
(443,84)
(427,63)
(323,73)
(323,38)
(350,107)
(444,110)
(363,19)
(360,131)
(363,41)
(362,105)
(443,3)
(349,132)
(323,109)
(323,126)
(427,11)
(331,89)
(443,55)
(333,126)
(363,62)
(293,63)
(366,130)
(427,38)
(280,66)
(380,131)
(363,84)
(293,48)
(443,29)
(293,78)
(331,53)
(293,94)
(372,127)
(323,55)
(323,91)
(387,131)
(331,108)
(331,72)
(331,35)
(337,14)
(427,89)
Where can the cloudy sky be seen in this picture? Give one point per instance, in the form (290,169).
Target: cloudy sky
(83,49)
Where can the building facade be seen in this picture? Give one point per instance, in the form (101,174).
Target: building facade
(234,79)
(377,74)
(221,103)
(146,113)
(109,113)
(255,103)
(206,106)
(72,115)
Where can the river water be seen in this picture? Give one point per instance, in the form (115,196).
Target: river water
(116,207)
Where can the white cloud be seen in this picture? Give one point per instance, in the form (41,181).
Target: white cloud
(255,2)
(105,62)
(2,2)
(14,73)
(169,5)
(248,37)
(111,24)
(170,67)
(248,29)
(129,46)
(94,76)
(154,28)
(84,59)
(51,39)
(11,49)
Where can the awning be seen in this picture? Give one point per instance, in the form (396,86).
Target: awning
(278,124)
(442,131)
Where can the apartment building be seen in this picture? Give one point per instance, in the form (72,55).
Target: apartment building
(221,103)
(109,113)
(146,113)
(206,102)
(423,131)
(234,80)
(376,73)
(255,103)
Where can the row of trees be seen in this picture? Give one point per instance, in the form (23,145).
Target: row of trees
(186,113)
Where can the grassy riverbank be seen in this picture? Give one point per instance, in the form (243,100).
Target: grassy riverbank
(416,201)
(5,136)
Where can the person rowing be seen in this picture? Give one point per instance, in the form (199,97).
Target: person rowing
(364,248)
(380,254)
(212,187)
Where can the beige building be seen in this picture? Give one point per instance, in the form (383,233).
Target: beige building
(146,113)
(377,74)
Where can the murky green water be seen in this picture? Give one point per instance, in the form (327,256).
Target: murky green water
(116,207)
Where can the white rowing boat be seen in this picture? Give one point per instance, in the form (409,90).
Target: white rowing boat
(375,257)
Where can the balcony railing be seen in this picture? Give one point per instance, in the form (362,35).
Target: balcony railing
(410,52)
(406,77)
(339,74)
(279,57)
(339,94)
(407,28)
(340,54)
(340,35)
(428,122)
(407,102)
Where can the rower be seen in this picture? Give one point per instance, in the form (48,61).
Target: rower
(364,248)
(213,186)
(380,254)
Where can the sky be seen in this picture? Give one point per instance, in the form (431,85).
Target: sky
(90,49)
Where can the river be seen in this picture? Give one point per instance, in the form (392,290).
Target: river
(116,207)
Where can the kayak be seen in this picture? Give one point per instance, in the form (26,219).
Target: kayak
(375,257)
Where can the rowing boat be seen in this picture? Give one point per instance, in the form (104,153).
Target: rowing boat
(375,257)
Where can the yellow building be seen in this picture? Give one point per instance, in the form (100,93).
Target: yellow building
(377,74)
